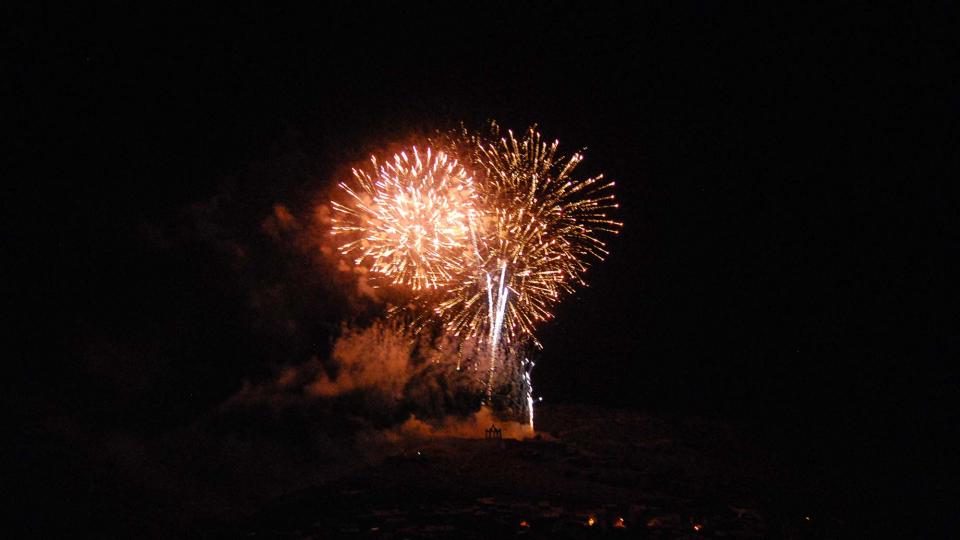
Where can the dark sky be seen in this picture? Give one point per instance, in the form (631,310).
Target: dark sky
(782,259)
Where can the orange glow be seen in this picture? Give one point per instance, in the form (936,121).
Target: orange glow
(591,520)
(524,524)
(619,524)
(697,527)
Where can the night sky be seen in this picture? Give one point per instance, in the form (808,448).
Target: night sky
(783,263)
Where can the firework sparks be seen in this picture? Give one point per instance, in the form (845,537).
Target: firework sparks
(409,219)
(540,228)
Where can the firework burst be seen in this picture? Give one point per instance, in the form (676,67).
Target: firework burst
(408,220)
(539,230)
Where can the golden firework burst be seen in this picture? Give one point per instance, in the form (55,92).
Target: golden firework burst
(408,220)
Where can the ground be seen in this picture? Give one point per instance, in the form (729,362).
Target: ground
(591,472)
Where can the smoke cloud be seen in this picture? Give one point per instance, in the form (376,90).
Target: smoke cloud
(381,378)
(470,427)
(310,237)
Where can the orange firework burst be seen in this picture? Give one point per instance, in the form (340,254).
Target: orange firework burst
(408,220)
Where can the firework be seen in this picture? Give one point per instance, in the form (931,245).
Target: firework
(539,230)
(408,220)
(489,252)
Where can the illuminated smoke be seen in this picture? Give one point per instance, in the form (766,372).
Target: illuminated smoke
(379,375)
